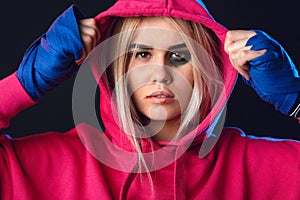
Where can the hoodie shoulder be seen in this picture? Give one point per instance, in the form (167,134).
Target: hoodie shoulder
(261,153)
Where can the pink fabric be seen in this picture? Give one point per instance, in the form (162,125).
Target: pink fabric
(13,99)
(58,166)
(86,164)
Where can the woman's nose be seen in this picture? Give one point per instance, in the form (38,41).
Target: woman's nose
(161,72)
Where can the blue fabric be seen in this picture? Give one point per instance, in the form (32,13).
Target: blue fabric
(50,60)
(274,76)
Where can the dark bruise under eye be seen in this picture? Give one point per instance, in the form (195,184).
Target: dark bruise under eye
(179,58)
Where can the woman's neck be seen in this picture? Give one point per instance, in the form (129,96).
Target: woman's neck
(164,130)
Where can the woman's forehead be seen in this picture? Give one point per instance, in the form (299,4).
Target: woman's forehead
(157,32)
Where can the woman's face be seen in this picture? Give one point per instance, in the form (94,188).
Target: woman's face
(160,73)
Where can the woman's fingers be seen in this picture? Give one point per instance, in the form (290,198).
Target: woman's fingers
(240,54)
(237,36)
(241,59)
(90,36)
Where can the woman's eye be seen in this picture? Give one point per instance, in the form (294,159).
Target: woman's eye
(180,58)
(142,54)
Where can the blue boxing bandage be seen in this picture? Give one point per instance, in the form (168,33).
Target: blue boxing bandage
(50,60)
(274,76)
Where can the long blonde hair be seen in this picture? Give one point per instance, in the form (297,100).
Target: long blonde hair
(207,78)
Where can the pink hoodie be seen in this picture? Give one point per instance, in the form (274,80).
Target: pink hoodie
(86,164)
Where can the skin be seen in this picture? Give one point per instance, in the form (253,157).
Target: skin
(239,53)
(90,36)
(160,64)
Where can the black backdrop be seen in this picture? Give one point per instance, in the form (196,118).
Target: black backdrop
(23,21)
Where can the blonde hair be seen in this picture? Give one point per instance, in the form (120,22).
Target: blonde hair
(207,78)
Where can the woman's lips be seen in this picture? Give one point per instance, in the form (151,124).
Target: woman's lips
(160,97)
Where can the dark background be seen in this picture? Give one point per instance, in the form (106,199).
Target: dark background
(23,21)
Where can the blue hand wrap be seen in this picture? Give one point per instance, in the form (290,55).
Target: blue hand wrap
(50,60)
(274,76)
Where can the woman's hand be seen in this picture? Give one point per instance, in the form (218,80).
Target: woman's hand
(56,55)
(90,36)
(266,67)
(239,53)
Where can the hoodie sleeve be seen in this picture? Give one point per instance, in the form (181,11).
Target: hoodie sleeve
(13,99)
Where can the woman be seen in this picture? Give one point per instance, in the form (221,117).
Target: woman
(164,82)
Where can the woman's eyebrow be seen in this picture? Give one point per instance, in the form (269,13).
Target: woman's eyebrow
(139,46)
(177,46)
(147,47)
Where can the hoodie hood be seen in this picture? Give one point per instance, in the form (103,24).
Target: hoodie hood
(189,10)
